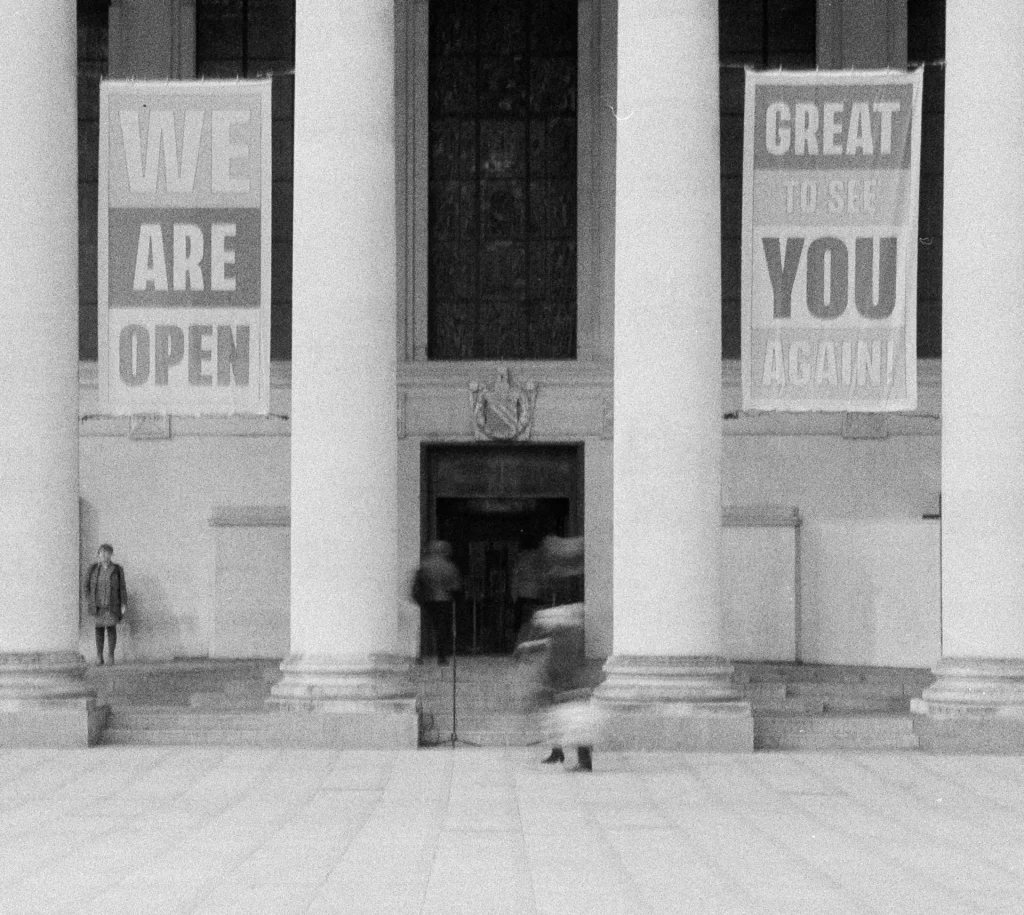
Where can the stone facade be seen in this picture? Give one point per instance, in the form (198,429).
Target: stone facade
(317,510)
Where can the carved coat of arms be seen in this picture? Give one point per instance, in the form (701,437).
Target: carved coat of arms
(503,411)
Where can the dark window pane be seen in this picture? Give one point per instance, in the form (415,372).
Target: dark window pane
(271,30)
(92,65)
(503,210)
(760,34)
(553,85)
(553,28)
(502,149)
(503,85)
(926,44)
(791,27)
(741,31)
(253,38)
(502,218)
(926,31)
(220,31)
(453,87)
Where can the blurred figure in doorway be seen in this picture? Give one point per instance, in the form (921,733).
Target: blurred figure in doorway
(436,584)
(528,577)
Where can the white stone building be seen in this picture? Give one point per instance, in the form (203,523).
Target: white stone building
(540,194)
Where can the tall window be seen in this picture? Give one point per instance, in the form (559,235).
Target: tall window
(926,44)
(252,38)
(760,34)
(502,185)
(92,65)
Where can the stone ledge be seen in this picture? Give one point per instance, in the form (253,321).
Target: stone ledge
(62,723)
(720,727)
(970,734)
(368,726)
(250,516)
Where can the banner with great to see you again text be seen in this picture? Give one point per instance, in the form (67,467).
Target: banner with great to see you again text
(830,209)
(184,247)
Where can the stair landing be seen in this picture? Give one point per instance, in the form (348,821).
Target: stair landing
(210,702)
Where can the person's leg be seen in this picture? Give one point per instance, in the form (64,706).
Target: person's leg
(99,644)
(112,640)
(556,756)
(584,760)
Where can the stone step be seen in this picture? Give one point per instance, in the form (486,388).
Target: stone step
(775,672)
(834,732)
(762,692)
(156,719)
(492,730)
(799,705)
(235,699)
(881,705)
(822,690)
(818,743)
(176,682)
(211,737)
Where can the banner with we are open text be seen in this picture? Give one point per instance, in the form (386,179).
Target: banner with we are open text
(184,247)
(830,212)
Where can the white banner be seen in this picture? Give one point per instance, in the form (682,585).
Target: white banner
(184,247)
(830,208)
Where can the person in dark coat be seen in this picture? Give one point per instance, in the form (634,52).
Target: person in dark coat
(436,583)
(106,598)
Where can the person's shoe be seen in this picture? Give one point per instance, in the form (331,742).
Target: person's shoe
(556,756)
(442,662)
(111,661)
(99,661)
(584,760)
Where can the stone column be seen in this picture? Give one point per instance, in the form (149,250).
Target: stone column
(344,601)
(981,674)
(666,682)
(43,698)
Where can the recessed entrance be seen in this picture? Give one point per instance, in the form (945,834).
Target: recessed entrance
(491,502)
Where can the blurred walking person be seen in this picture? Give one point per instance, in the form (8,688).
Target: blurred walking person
(551,657)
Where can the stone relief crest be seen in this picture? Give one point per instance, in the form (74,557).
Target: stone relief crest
(504,410)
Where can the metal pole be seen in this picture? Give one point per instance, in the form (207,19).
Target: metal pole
(455,654)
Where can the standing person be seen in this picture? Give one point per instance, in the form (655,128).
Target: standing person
(437,582)
(106,598)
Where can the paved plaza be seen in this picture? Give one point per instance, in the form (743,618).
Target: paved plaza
(129,831)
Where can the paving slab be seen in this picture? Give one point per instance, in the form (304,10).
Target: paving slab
(139,830)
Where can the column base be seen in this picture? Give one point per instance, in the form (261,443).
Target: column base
(45,701)
(672,703)
(348,701)
(975,705)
